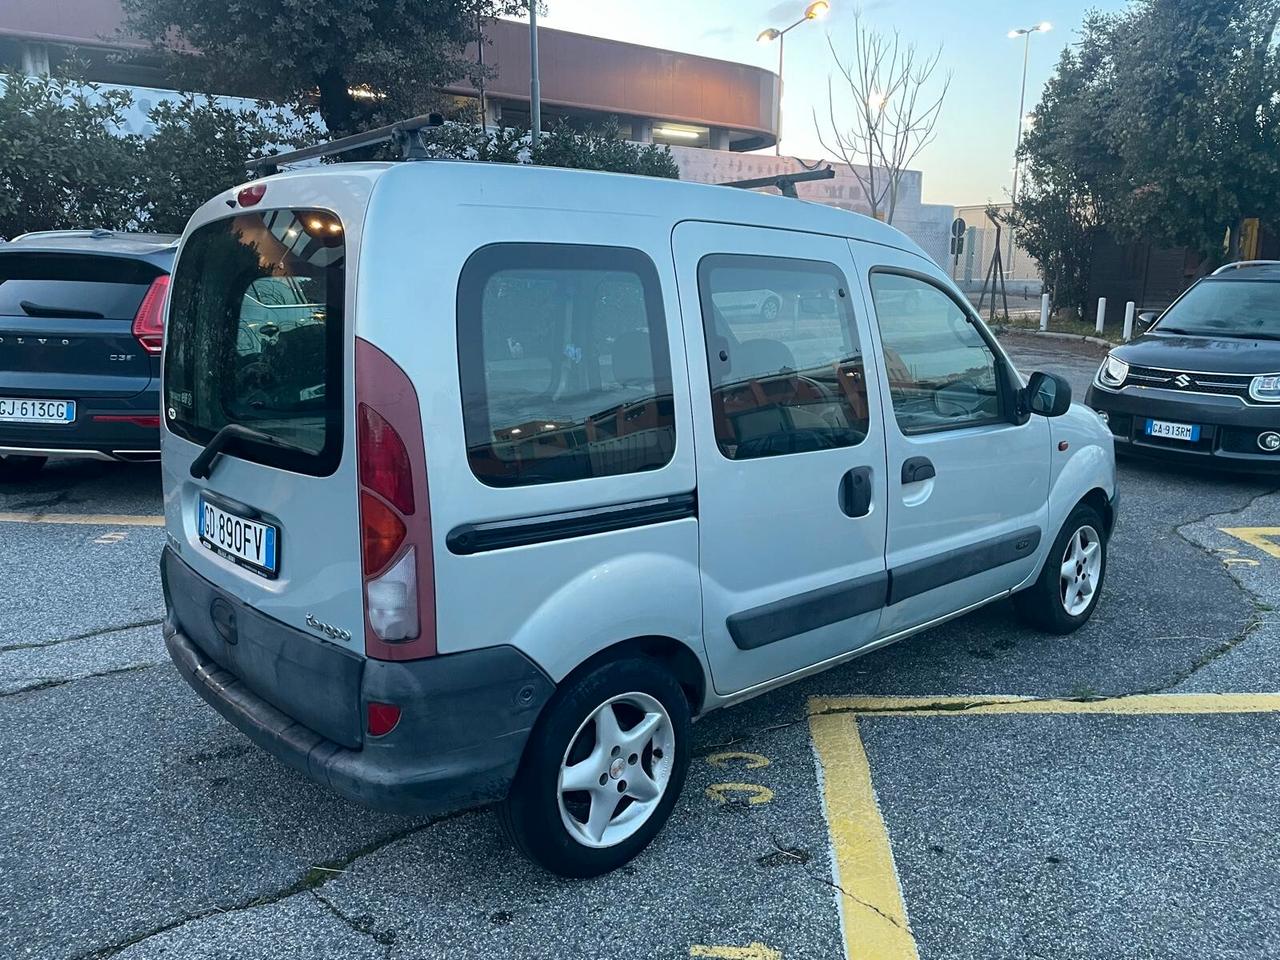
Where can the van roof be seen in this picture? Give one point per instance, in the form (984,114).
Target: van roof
(565,189)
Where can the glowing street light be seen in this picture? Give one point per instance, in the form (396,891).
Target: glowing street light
(814,11)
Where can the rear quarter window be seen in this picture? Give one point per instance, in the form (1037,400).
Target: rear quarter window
(564,364)
(255,336)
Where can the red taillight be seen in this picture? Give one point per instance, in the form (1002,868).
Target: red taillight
(251,195)
(148,322)
(384,462)
(395,511)
(381,533)
(382,718)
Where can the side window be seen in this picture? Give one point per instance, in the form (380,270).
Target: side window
(941,372)
(783,354)
(564,363)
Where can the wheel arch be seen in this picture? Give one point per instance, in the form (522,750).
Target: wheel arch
(677,657)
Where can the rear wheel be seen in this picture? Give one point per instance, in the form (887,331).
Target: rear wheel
(17,467)
(770,308)
(602,770)
(1064,597)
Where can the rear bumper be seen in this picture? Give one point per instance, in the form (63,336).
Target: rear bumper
(1229,429)
(465,717)
(108,439)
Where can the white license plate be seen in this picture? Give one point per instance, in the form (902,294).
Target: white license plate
(247,542)
(1173,431)
(37,411)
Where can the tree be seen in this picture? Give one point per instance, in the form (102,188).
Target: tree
(63,160)
(199,149)
(893,113)
(358,63)
(1163,124)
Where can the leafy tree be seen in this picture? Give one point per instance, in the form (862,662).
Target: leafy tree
(63,162)
(396,55)
(199,149)
(1163,124)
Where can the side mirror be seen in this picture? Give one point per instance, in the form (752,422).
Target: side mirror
(1048,394)
(1147,317)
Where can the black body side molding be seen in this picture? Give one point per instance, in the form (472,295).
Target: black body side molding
(807,611)
(913,579)
(478,537)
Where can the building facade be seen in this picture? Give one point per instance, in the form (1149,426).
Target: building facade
(712,113)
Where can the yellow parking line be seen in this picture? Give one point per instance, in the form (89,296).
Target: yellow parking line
(1266,539)
(1154,703)
(873,917)
(90,519)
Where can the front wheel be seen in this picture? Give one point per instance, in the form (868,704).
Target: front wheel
(1064,597)
(602,770)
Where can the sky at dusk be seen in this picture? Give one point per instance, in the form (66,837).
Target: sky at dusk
(972,159)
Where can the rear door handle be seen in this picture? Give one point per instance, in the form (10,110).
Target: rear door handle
(855,492)
(918,469)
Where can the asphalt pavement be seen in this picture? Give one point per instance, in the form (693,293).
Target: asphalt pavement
(135,823)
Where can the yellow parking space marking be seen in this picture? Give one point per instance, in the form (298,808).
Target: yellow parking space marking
(873,917)
(113,536)
(755,793)
(749,760)
(1153,703)
(88,519)
(752,951)
(1266,539)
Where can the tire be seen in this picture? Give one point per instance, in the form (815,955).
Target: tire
(16,467)
(555,828)
(770,308)
(1062,600)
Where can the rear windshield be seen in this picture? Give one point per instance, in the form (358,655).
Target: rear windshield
(255,336)
(72,285)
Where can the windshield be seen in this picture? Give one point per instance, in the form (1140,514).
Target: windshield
(1227,308)
(255,335)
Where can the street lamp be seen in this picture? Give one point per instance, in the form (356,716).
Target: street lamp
(814,11)
(1025,33)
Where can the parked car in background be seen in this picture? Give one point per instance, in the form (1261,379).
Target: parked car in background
(1202,384)
(81,326)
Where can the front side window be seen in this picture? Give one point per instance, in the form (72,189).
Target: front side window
(941,372)
(782,351)
(255,336)
(564,363)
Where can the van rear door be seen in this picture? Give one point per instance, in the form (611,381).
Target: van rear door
(258,361)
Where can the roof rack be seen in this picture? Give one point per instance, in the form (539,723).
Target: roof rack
(1245,265)
(407,134)
(785,182)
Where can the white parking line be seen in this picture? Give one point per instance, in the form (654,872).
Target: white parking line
(89,519)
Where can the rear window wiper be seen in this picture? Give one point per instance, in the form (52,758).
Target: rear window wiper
(44,310)
(234,434)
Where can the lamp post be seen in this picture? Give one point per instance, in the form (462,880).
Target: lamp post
(1025,33)
(535,86)
(814,11)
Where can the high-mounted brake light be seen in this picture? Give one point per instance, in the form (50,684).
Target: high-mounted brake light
(148,322)
(252,194)
(395,511)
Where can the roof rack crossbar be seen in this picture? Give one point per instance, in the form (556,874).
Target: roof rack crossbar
(785,183)
(406,133)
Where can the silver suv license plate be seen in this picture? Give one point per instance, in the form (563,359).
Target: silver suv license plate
(249,543)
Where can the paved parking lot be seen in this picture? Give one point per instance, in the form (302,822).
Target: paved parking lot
(977,791)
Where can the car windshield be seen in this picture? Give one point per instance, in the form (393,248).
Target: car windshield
(1227,308)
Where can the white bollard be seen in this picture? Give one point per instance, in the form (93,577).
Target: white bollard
(1044,311)
(1102,313)
(1129,308)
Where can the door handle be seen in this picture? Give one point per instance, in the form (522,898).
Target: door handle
(917,469)
(855,492)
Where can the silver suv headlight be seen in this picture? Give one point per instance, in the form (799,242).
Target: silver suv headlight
(1113,372)
(1266,388)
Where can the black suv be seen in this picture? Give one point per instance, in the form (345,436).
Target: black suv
(81,315)
(1202,383)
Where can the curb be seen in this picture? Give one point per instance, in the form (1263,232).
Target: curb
(1053,335)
